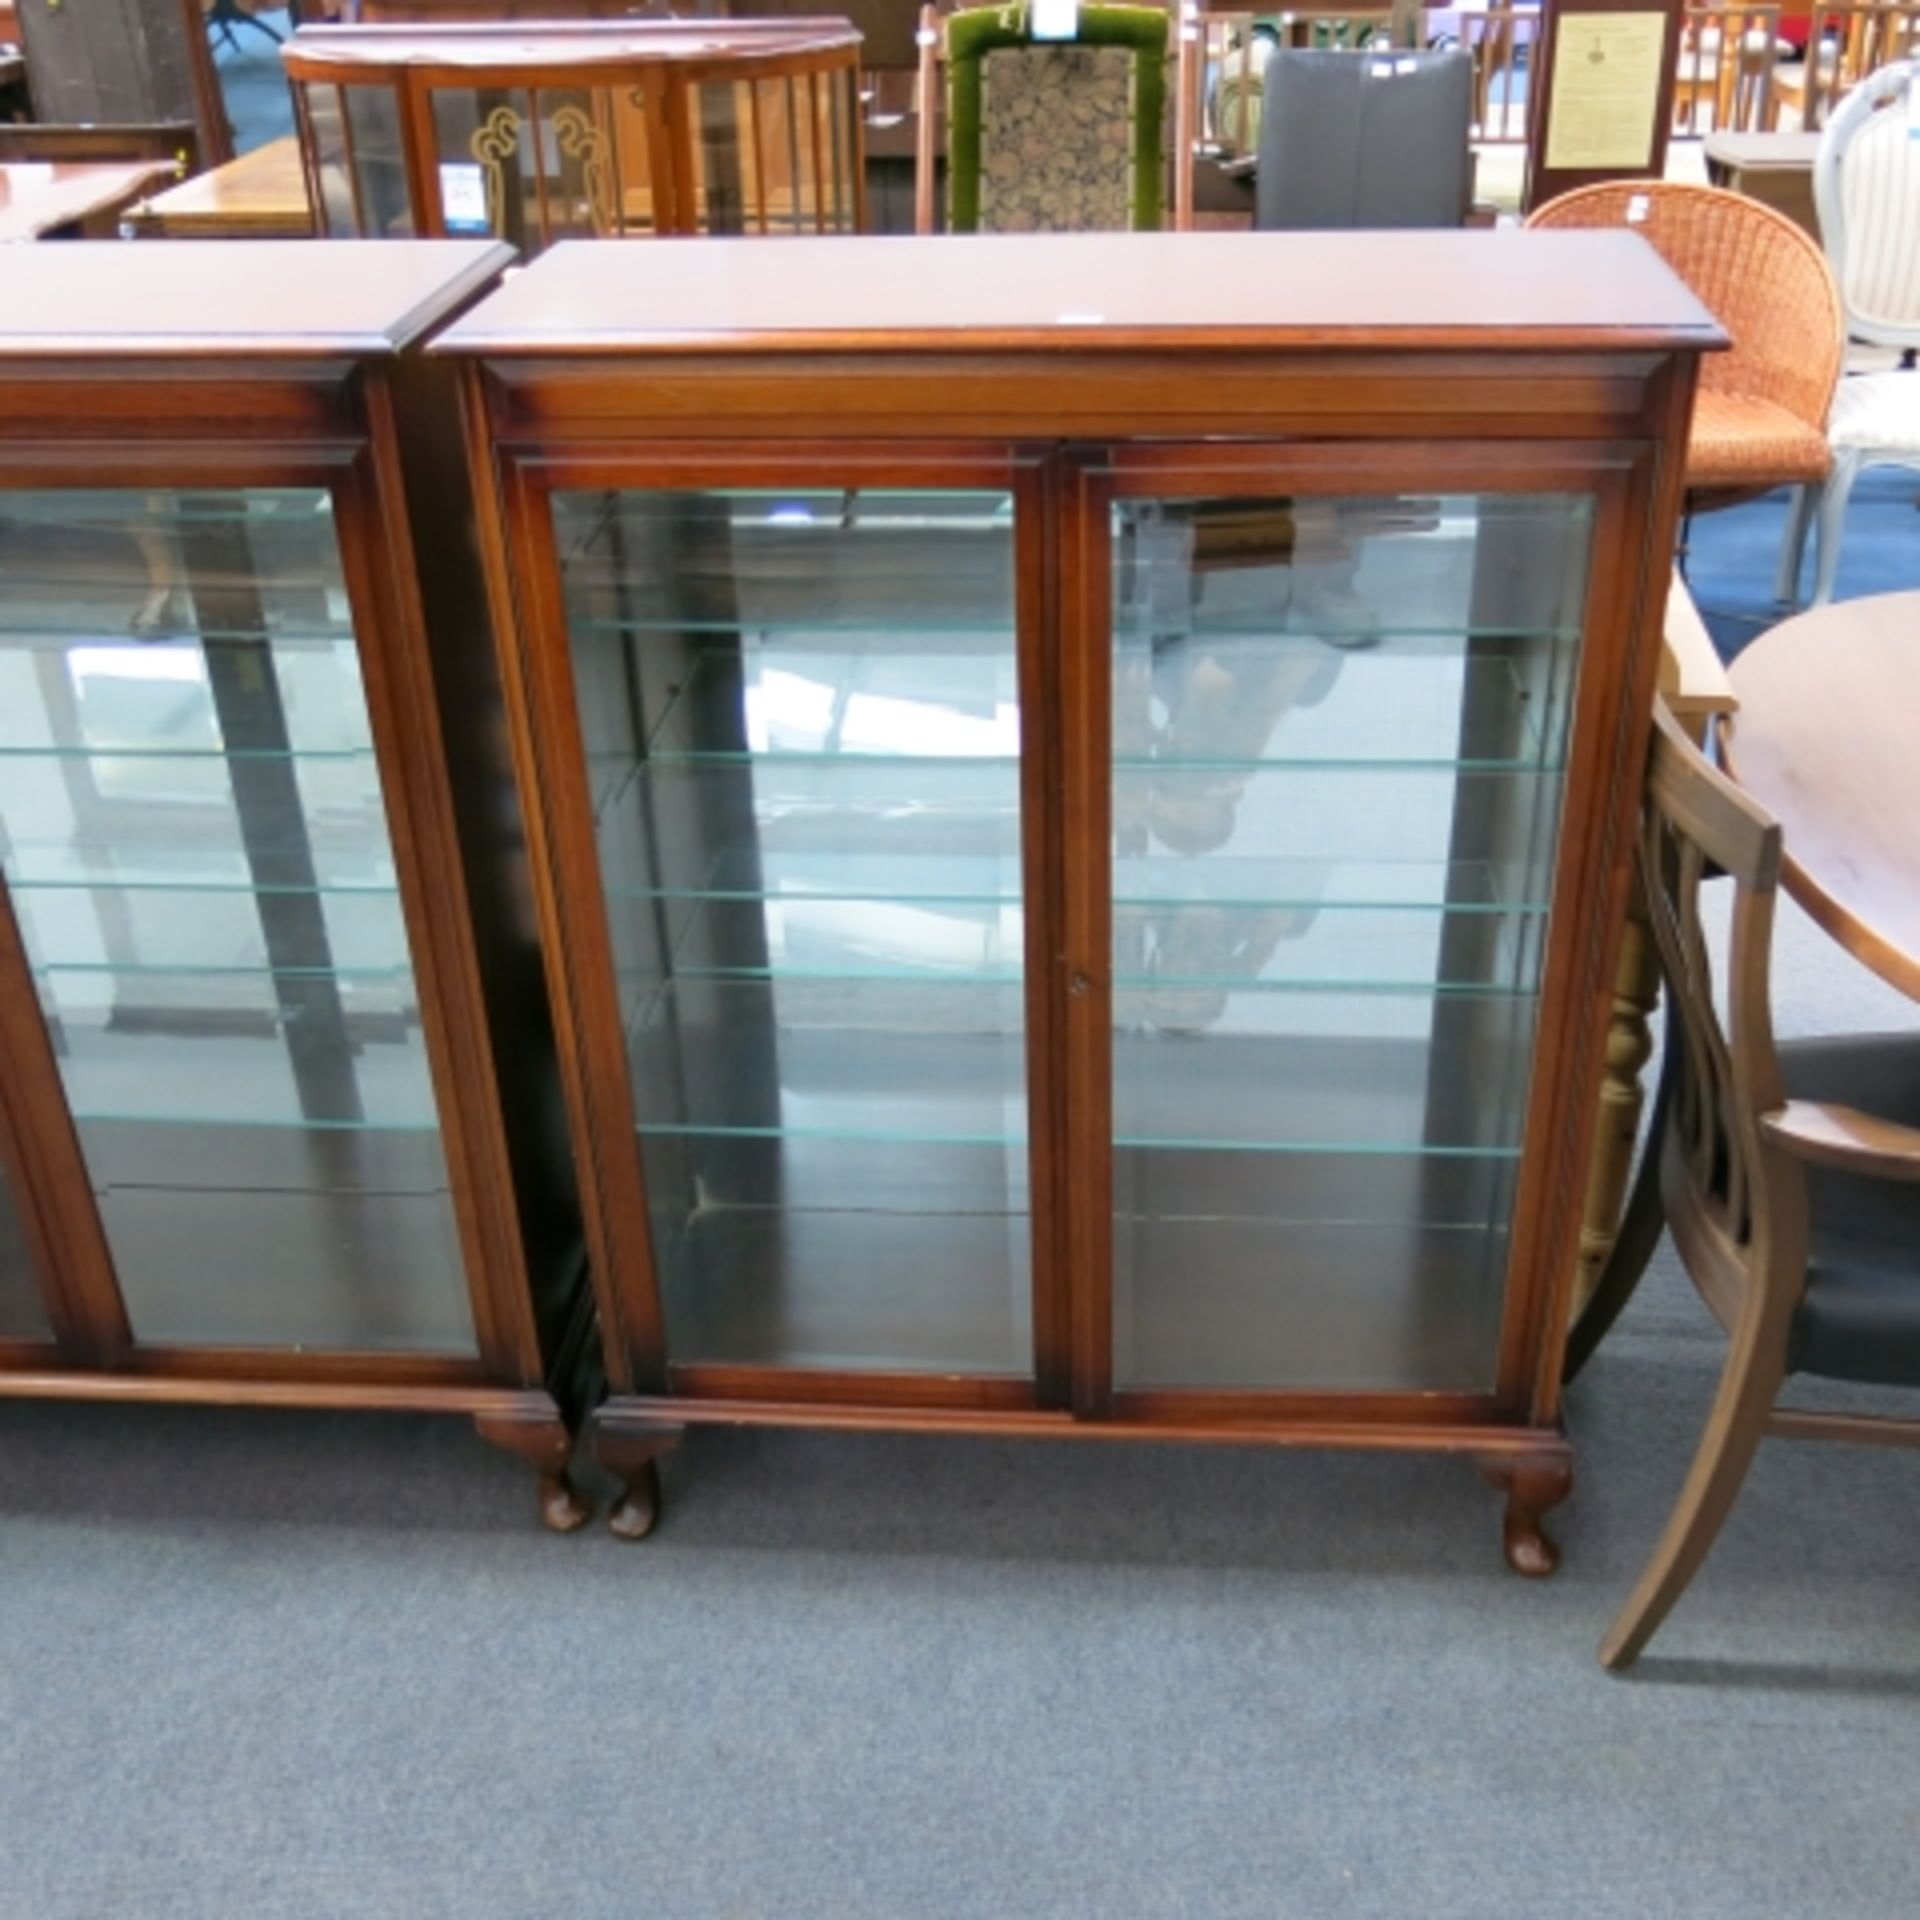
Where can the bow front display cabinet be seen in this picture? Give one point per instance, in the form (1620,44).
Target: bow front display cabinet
(540,131)
(270,1016)
(1081,826)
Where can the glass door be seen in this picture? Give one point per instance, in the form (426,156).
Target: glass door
(195,845)
(802,713)
(1340,730)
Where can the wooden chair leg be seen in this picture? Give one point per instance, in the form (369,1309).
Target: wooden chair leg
(1756,1365)
(1642,1222)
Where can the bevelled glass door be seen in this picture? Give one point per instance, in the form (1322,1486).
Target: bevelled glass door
(1339,735)
(802,718)
(196,847)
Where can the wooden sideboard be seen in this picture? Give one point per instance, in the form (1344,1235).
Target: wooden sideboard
(1083,828)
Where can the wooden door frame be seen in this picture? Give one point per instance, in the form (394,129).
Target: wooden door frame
(356,462)
(517,480)
(1617,662)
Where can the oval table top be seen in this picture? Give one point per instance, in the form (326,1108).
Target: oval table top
(1827,739)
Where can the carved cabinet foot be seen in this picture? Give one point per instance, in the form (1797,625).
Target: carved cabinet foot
(542,1440)
(1533,1488)
(632,1455)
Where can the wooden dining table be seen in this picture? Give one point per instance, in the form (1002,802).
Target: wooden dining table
(38,198)
(262,195)
(1827,739)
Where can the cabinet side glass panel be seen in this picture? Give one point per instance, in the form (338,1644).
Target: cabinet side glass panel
(1339,739)
(195,843)
(802,728)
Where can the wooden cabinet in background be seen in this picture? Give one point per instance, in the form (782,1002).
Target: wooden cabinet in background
(273,1061)
(1082,793)
(536,133)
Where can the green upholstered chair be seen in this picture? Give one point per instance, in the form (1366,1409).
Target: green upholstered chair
(1056,136)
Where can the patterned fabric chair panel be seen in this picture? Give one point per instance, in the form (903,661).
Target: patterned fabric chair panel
(1051,137)
(1055,136)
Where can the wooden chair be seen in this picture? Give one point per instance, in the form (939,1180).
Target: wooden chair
(1790,1174)
(177,141)
(1760,420)
(1045,136)
(1724,77)
(1846,41)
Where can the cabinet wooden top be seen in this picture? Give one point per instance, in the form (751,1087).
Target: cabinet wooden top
(532,46)
(1502,291)
(213,299)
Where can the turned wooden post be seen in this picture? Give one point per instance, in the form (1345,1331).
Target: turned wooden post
(1694,685)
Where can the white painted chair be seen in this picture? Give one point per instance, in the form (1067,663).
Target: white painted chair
(1866,185)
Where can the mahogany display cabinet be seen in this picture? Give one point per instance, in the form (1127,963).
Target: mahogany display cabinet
(540,131)
(277,1118)
(1081,791)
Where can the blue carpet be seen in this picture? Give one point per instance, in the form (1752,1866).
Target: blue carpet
(1733,555)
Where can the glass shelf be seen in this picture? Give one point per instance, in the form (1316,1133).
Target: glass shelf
(81,880)
(1247,702)
(348,856)
(106,511)
(858,1059)
(937,633)
(223,756)
(1308,946)
(292,1049)
(45,633)
(257,971)
(772,808)
(794,698)
(131,930)
(121,699)
(194,841)
(826,876)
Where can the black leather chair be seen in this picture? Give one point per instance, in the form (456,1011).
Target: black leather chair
(1366,139)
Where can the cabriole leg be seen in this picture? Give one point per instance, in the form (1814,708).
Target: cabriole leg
(1534,1485)
(631,1452)
(542,1440)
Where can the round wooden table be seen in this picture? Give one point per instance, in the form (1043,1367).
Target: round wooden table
(1827,739)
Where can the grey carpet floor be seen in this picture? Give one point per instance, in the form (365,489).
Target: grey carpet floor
(307,1666)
